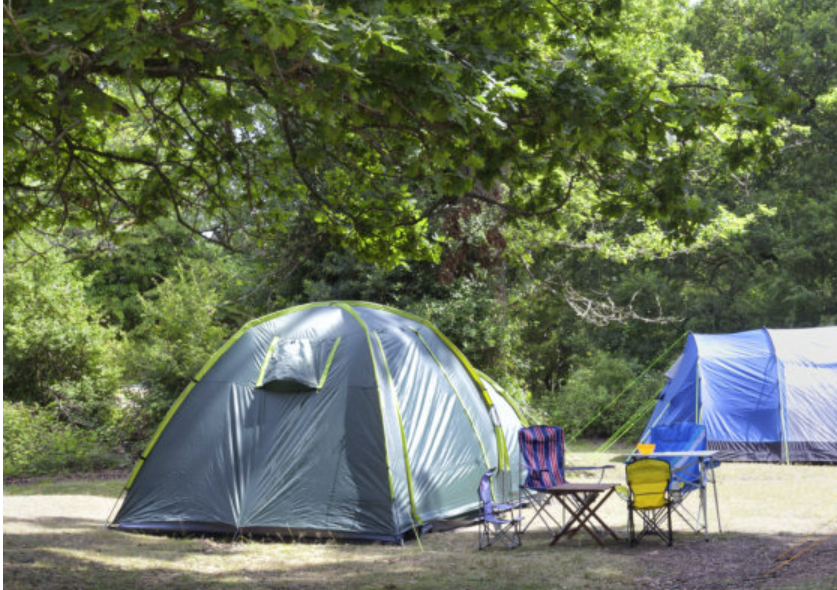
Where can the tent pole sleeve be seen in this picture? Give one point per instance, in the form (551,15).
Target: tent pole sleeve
(347,308)
(506,397)
(330,359)
(266,362)
(783,409)
(783,397)
(458,397)
(697,396)
(416,517)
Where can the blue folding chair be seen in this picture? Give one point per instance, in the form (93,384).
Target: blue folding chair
(687,473)
(493,528)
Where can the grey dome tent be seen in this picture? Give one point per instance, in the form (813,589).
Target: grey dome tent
(330,419)
(763,395)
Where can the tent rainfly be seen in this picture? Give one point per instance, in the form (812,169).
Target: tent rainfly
(330,419)
(763,395)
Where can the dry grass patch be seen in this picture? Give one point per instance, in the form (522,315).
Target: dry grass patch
(53,539)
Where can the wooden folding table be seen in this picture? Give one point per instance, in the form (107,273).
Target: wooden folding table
(582,501)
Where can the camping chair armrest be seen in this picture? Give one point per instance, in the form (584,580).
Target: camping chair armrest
(600,468)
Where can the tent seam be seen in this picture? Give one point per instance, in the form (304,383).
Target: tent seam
(783,395)
(401,428)
(348,309)
(459,399)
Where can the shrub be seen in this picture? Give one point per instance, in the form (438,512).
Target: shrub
(585,404)
(56,347)
(176,336)
(36,442)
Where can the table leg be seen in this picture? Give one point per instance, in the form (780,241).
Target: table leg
(582,510)
(715,492)
(594,514)
(703,501)
(577,513)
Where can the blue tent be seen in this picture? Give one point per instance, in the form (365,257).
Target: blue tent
(763,395)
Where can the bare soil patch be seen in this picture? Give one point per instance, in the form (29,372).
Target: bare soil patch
(741,562)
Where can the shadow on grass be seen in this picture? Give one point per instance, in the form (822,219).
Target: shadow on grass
(61,552)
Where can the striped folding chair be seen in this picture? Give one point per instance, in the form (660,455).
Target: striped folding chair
(542,455)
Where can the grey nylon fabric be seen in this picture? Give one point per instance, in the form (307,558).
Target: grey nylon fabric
(507,482)
(293,365)
(323,460)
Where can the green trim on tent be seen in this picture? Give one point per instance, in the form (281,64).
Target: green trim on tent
(458,397)
(503,458)
(327,367)
(174,407)
(204,370)
(409,471)
(347,308)
(509,400)
(266,361)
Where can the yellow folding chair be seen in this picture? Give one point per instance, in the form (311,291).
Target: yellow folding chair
(648,496)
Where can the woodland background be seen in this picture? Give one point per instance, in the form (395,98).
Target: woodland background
(563,188)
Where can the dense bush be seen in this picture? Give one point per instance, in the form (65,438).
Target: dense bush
(479,323)
(176,336)
(57,350)
(586,401)
(37,442)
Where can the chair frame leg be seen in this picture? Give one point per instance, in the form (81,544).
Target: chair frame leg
(652,522)
(541,512)
(508,532)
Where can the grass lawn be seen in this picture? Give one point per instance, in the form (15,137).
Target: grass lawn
(53,538)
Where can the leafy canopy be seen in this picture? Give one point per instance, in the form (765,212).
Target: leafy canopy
(363,118)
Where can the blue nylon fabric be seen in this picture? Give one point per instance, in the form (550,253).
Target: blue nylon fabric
(761,394)
(682,436)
